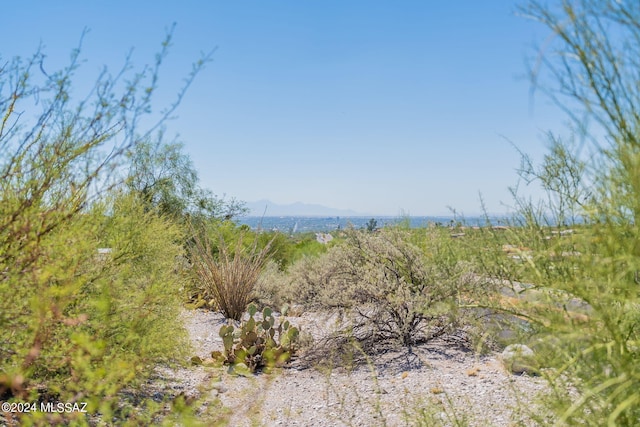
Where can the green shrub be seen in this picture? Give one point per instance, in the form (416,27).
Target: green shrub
(402,294)
(297,284)
(398,293)
(273,288)
(280,247)
(306,245)
(286,250)
(318,282)
(87,325)
(77,325)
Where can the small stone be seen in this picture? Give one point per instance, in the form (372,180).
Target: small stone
(519,359)
(220,387)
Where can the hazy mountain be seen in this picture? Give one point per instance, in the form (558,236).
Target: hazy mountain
(295,209)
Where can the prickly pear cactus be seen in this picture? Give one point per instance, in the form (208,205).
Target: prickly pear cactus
(259,344)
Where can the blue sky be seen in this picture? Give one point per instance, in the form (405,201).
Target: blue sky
(381,107)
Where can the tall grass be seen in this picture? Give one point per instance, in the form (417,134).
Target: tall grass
(228,274)
(593,359)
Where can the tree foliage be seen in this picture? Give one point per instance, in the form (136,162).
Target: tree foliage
(165,179)
(78,325)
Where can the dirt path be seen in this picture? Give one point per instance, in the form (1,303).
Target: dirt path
(431,383)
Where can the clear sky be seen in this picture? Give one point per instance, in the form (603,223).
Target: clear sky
(377,106)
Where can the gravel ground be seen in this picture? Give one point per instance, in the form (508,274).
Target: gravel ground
(422,387)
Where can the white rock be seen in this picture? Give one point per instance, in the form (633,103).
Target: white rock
(519,359)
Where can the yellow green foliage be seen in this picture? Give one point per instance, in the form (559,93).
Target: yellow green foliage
(80,326)
(88,282)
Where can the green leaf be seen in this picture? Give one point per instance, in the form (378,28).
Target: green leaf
(267,312)
(252,309)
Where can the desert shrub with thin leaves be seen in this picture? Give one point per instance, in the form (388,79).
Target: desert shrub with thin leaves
(273,288)
(398,292)
(591,334)
(91,325)
(585,306)
(76,325)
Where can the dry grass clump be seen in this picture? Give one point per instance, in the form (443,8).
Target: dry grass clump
(228,277)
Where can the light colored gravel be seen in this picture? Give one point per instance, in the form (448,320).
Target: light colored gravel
(397,388)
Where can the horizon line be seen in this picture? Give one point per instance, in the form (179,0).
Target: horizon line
(475,215)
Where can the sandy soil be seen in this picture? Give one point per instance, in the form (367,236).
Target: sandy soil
(432,383)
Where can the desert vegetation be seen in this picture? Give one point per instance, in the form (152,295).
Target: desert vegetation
(393,291)
(106,238)
(88,254)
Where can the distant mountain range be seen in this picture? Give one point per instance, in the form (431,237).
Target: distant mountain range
(295,209)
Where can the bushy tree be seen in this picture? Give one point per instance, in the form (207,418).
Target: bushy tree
(164,177)
(77,324)
(372,225)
